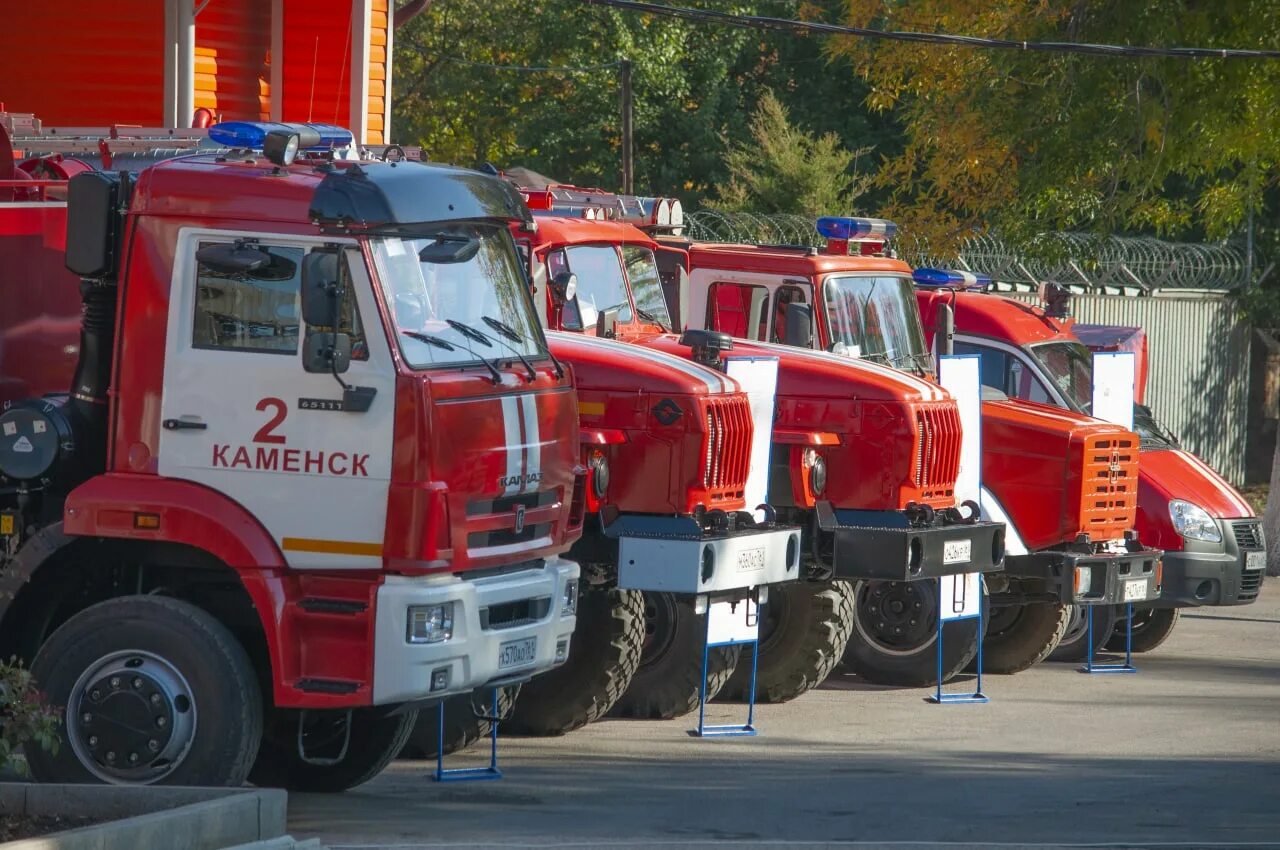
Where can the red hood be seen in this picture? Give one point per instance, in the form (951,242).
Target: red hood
(604,364)
(1175,474)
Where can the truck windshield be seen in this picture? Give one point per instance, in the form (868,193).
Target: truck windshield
(646,285)
(876,318)
(454,295)
(1070,366)
(601,285)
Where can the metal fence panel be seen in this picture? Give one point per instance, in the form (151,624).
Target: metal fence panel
(1198,381)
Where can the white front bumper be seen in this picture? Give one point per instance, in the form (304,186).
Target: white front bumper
(403,671)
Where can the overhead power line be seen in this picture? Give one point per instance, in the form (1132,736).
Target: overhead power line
(562,69)
(760,22)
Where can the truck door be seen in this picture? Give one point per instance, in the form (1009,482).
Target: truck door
(241,416)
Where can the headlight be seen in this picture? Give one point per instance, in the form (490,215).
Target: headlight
(569,606)
(1193,522)
(430,623)
(817,471)
(599,474)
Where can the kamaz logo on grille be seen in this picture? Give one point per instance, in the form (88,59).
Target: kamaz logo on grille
(519,480)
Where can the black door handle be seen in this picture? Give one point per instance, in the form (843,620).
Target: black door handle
(183,425)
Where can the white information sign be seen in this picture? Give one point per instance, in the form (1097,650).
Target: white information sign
(961,596)
(961,375)
(732,621)
(759,379)
(1113,387)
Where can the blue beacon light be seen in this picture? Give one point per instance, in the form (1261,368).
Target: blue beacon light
(851,228)
(950,277)
(252,134)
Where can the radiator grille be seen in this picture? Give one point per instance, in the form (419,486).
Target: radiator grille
(726,454)
(1247,536)
(937,459)
(1109,501)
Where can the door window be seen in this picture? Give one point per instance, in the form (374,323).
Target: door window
(784,295)
(735,309)
(252,311)
(1005,372)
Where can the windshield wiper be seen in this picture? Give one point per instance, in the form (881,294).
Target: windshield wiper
(649,317)
(515,336)
(468,332)
(506,332)
(430,340)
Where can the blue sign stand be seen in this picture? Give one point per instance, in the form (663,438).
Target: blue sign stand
(469,774)
(730,729)
(939,698)
(1120,667)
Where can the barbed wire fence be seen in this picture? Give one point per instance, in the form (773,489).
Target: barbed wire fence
(1117,264)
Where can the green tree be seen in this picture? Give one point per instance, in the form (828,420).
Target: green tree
(784,169)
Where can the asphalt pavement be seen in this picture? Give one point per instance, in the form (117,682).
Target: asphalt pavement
(1186,753)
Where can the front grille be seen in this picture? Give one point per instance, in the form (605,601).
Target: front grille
(509,615)
(937,460)
(1108,501)
(1250,584)
(726,448)
(507,504)
(1247,535)
(507,536)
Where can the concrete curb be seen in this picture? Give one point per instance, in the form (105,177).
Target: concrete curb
(173,818)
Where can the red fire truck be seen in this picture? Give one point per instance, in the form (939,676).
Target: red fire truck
(1214,549)
(256,518)
(863,459)
(859,305)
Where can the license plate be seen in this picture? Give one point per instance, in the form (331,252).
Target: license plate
(1135,590)
(751,560)
(956,551)
(517,653)
(1255,560)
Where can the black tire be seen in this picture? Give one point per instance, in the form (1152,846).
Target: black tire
(667,682)
(462,727)
(377,736)
(804,630)
(1074,645)
(1151,627)
(153,663)
(1021,636)
(603,656)
(889,646)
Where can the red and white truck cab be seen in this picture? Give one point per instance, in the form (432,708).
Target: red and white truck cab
(667,443)
(894,517)
(855,301)
(1213,543)
(291,496)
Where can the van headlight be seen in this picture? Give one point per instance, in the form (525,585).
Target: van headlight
(1193,522)
(430,623)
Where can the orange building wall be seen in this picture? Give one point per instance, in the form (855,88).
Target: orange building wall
(233,59)
(84,62)
(378,65)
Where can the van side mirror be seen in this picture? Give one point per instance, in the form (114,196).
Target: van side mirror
(799,325)
(606,322)
(320,288)
(944,330)
(564,287)
(326,352)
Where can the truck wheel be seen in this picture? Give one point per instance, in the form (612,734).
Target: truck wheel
(377,735)
(156,691)
(895,633)
(1021,636)
(667,682)
(604,653)
(804,630)
(1074,645)
(461,726)
(1151,626)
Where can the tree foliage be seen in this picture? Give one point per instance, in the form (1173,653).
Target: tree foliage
(25,717)
(784,169)
(1027,142)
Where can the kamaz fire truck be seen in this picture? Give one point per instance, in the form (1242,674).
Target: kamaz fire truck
(1213,544)
(258,516)
(864,459)
(1064,485)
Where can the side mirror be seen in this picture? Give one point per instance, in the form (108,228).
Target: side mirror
(799,325)
(944,330)
(564,287)
(327,352)
(320,288)
(226,258)
(606,322)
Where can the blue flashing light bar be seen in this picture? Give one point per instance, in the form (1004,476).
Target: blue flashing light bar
(856,229)
(251,134)
(950,277)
